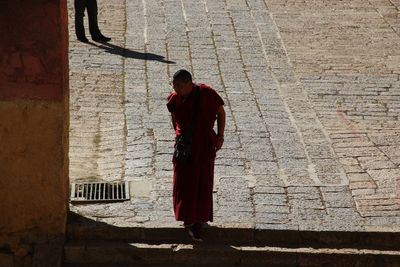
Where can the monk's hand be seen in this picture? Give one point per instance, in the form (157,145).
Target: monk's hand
(220,142)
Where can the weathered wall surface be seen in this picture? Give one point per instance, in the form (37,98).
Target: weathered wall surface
(33,132)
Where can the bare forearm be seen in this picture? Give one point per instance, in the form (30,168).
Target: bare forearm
(221,127)
(221,121)
(173,121)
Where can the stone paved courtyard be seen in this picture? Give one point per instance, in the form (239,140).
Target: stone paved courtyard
(312,94)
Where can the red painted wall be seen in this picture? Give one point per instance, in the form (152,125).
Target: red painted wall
(30,66)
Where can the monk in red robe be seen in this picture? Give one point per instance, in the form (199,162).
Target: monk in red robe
(194,179)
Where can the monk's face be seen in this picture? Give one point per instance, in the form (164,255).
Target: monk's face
(182,88)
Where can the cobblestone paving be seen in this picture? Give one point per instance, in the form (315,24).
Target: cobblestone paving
(312,94)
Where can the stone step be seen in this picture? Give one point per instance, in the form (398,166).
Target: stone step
(157,265)
(237,236)
(100,253)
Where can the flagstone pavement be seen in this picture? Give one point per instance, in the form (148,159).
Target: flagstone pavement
(312,94)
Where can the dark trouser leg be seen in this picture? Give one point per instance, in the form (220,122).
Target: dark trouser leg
(92,14)
(79,14)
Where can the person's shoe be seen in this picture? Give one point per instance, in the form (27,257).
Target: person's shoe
(101,38)
(83,39)
(195,232)
(187,225)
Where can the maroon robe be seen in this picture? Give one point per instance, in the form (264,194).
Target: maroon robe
(194,181)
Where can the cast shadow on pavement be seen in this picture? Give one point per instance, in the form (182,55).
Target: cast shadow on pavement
(90,241)
(127,53)
(82,227)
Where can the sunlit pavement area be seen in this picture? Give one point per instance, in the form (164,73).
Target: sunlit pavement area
(312,95)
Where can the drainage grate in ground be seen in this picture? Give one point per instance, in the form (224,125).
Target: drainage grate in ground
(99,192)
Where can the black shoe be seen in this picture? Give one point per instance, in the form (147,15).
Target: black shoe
(195,232)
(83,39)
(101,38)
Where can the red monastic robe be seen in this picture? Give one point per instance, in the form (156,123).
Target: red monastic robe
(193,181)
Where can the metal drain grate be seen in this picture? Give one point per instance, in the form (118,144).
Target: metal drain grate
(100,192)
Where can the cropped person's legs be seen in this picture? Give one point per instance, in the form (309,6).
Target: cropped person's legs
(93,23)
(80,6)
(92,14)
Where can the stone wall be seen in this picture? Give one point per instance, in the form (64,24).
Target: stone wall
(33,132)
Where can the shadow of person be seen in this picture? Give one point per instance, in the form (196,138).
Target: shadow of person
(127,53)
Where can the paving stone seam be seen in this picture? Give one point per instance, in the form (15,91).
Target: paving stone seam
(145,30)
(166,41)
(383,17)
(187,36)
(384,153)
(136,136)
(124,110)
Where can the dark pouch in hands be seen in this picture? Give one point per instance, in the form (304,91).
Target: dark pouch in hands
(183,149)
